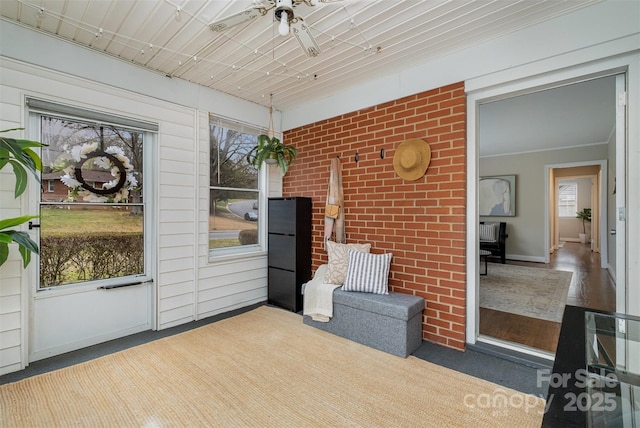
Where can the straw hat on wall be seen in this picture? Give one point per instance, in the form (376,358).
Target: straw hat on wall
(411,159)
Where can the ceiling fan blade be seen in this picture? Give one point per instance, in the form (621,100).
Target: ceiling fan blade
(238,18)
(303,34)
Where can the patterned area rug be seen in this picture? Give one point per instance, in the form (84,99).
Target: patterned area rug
(531,292)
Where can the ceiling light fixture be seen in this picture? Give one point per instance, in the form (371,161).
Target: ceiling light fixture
(289,23)
(284,14)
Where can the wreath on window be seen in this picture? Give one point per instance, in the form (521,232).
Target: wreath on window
(112,159)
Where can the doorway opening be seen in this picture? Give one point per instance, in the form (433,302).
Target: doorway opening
(522,133)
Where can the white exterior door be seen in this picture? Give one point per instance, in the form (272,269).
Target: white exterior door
(92,280)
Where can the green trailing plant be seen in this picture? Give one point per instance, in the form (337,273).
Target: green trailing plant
(272,150)
(585,216)
(19,154)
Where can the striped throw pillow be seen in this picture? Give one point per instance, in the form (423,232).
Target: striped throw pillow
(488,232)
(368,273)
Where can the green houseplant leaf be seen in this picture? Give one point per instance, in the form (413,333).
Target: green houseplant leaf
(272,150)
(26,245)
(585,216)
(18,154)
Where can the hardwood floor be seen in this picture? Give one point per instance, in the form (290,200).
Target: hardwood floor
(591,287)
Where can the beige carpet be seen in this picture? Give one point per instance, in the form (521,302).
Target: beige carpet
(263,368)
(531,292)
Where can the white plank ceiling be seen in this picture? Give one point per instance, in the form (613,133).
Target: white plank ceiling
(359,39)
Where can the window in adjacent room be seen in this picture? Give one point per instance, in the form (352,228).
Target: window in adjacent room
(567,199)
(234,192)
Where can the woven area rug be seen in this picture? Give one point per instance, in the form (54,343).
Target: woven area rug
(531,292)
(263,368)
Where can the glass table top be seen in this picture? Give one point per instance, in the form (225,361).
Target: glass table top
(612,373)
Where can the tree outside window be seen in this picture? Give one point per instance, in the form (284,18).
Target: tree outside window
(234,192)
(87,236)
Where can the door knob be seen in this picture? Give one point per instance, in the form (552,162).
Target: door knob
(612,232)
(32,225)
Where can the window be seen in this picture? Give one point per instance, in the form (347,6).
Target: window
(234,192)
(92,226)
(567,199)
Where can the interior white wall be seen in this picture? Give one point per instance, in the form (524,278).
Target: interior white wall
(609,28)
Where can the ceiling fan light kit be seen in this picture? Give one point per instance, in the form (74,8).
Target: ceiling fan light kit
(302,32)
(283,14)
(237,19)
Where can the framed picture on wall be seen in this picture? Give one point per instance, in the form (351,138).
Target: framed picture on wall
(497,196)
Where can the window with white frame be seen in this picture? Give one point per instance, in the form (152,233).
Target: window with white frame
(89,236)
(567,199)
(234,188)
(92,229)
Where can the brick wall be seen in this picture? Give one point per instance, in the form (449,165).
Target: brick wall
(421,222)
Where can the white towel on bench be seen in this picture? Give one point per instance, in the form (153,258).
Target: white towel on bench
(318,297)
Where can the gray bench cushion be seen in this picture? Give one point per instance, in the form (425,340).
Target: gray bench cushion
(394,305)
(391,322)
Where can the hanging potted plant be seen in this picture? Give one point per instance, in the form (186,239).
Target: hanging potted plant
(585,216)
(271,150)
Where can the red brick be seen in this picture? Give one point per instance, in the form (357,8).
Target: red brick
(422,222)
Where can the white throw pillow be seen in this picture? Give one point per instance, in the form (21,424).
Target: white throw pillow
(488,232)
(368,273)
(338,260)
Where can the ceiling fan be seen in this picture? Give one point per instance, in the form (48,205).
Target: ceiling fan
(283,13)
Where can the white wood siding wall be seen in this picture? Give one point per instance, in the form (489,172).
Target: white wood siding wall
(227,283)
(189,285)
(176,221)
(13,314)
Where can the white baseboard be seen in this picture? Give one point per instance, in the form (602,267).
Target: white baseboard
(522,258)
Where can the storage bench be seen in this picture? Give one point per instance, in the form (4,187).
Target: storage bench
(389,322)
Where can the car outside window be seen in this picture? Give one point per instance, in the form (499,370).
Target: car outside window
(234,188)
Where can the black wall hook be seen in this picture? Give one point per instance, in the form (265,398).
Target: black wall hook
(356,157)
(381,153)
